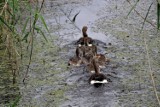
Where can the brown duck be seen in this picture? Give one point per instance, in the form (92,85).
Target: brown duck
(97,79)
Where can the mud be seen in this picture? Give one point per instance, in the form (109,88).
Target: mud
(51,83)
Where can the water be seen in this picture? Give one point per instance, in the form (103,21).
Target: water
(51,83)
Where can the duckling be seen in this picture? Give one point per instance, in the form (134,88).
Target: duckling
(80,51)
(90,67)
(101,60)
(91,50)
(97,79)
(75,61)
(85,39)
(87,59)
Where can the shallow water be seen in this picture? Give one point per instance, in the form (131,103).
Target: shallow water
(52,84)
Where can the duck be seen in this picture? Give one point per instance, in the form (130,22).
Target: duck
(97,79)
(90,67)
(91,50)
(80,50)
(75,61)
(101,60)
(85,40)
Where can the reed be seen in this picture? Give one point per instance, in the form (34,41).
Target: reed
(18,23)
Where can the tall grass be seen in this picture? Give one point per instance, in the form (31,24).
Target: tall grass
(18,23)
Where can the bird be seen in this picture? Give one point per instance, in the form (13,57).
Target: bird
(97,78)
(75,61)
(91,50)
(80,50)
(101,60)
(85,40)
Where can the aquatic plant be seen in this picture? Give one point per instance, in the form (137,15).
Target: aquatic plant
(18,23)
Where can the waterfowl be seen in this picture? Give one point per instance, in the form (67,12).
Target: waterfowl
(90,67)
(101,60)
(75,61)
(87,59)
(91,50)
(85,40)
(97,79)
(80,51)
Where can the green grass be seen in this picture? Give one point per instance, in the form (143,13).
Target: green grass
(18,26)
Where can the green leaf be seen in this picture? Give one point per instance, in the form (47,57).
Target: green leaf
(25,25)
(26,36)
(39,30)
(43,21)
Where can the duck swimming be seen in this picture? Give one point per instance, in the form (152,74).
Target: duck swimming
(97,79)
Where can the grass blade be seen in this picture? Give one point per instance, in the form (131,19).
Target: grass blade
(133,8)
(146,17)
(26,36)
(158,15)
(43,21)
(25,25)
(39,30)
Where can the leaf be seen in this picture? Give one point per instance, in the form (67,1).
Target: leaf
(39,30)
(25,25)
(26,36)
(43,21)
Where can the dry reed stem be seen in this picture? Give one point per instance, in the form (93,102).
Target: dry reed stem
(4,7)
(151,72)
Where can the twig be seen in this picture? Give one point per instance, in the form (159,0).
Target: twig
(32,33)
(41,6)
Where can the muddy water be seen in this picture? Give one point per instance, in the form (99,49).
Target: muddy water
(51,83)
